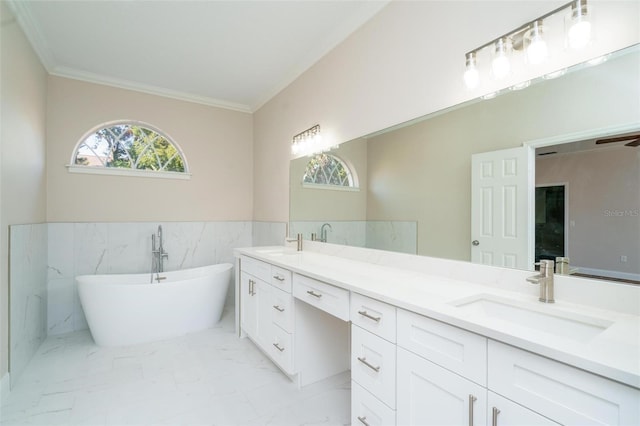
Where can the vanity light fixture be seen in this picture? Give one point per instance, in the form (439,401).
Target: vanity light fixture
(537,50)
(501,65)
(579,33)
(599,60)
(471,75)
(521,86)
(307,142)
(530,39)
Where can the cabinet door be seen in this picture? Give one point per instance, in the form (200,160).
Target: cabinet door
(248,305)
(503,412)
(430,395)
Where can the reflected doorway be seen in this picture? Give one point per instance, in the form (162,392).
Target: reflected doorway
(550,221)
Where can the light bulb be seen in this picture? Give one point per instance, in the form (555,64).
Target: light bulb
(471,74)
(537,51)
(579,33)
(500,64)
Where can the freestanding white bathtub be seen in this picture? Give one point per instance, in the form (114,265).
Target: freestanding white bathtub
(125,309)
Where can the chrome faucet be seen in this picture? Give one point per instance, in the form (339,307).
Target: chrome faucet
(545,280)
(158,255)
(323,232)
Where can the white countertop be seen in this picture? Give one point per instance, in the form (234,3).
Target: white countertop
(613,353)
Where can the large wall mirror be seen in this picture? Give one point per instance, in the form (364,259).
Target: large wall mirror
(412,185)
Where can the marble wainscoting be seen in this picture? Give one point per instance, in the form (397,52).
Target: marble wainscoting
(112,248)
(27,294)
(398,236)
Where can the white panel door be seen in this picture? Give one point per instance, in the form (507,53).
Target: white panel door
(501,195)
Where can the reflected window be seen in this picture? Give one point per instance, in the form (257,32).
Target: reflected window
(328,170)
(129,146)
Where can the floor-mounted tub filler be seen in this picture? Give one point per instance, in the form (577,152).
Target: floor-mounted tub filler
(125,309)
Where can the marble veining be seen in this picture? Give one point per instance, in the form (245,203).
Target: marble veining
(28,292)
(211,377)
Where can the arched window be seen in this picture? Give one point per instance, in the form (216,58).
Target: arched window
(130,148)
(329,171)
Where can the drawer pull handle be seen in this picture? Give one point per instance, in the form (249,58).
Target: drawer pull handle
(472,399)
(364,361)
(314,294)
(278,347)
(367,315)
(494,417)
(278,308)
(363,420)
(279,277)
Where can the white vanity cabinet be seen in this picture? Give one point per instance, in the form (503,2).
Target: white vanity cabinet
(562,393)
(266,311)
(373,361)
(503,412)
(441,373)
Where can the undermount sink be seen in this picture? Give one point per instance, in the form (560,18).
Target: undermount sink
(545,318)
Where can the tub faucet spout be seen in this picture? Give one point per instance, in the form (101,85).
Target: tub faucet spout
(157,254)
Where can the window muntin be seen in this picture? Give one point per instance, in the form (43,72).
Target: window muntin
(328,170)
(129,146)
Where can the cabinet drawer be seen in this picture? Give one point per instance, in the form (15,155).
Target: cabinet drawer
(374,316)
(503,412)
(281,278)
(373,364)
(558,391)
(280,347)
(257,268)
(281,308)
(328,298)
(460,351)
(367,410)
(429,395)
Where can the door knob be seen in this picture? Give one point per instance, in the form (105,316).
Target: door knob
(475,242)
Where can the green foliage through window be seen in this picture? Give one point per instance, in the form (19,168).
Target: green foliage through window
(129,146)
(327,169)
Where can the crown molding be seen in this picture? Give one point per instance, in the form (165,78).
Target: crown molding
(25,19)
(145,88)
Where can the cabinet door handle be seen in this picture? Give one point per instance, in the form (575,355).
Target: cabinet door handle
(472,399)
(367,315)
(363,420)
(278,308)
(364,361)
(314,294)
(278,347)
(251,284)
(279,277)
(494,417)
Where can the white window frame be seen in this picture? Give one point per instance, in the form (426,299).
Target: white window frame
(350,169)
(121,171)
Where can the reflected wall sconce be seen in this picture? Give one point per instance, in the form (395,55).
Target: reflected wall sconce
(530,38)
(307,142)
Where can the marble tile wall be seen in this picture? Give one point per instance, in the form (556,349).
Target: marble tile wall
(382,235)
(110,248)
(27,293)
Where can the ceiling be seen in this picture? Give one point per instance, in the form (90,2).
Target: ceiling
(233,54)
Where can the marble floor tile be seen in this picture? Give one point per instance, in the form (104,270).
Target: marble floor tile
(206,378)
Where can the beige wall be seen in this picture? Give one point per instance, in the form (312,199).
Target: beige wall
(22,149)
(423,172)
(603,205)
(327,204)
(216,142)
(404,63)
